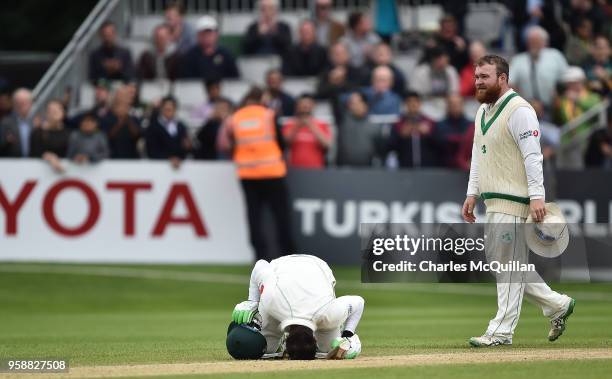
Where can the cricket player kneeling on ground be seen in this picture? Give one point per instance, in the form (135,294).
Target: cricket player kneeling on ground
(292,310)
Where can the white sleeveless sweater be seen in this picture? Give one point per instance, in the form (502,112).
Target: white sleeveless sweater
(502,180)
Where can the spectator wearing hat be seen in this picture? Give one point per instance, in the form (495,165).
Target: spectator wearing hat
(575,100)
(207,60)
(182,34)
(360,39)
(161,62)
(535,73)
(267,35)
(110,61)
(307,57)
(328,30)
(435,77)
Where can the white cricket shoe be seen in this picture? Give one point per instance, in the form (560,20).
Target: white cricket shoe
(557,325)
(488,341)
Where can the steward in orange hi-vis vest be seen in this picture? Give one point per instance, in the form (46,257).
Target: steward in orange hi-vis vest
(253,137)
(256,151)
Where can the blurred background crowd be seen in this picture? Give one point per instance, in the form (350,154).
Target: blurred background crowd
(360,90)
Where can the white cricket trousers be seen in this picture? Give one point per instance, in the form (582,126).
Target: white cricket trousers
(506,242)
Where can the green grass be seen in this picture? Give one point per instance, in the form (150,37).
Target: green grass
(558,370)
(99,320)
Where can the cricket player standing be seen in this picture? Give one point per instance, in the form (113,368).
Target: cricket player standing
(506,171)
(295,295)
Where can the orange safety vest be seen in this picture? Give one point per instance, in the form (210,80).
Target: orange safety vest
(256,152)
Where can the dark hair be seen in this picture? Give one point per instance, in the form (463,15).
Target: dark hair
(167,99)
(435,52)
(579,22)
(255,94)
(88,116)
(106,24)
(411,94)
(211,82)
(354,19)
(176,6)
(301,344)
(501,65)
(305,95)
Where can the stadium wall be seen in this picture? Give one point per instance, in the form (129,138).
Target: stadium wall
(146,212)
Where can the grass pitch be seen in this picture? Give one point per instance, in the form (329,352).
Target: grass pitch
(125,315)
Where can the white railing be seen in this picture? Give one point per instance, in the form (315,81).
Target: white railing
(599,111)
(145,7)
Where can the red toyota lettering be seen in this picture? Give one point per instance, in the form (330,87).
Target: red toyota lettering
(12,209)
(166,217)
(49,212)
(129,195)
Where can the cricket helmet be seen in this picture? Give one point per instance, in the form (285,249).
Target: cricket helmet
(245,341)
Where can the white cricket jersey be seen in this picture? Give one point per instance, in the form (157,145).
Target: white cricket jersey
(299,290)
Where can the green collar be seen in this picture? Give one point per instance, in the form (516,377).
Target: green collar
(484,127)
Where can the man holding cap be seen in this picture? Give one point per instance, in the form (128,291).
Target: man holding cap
(207,60)
(506,171)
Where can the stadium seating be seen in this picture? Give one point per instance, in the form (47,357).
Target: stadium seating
(485,22)
(189,92)
(254,69)
(137,47)
(421,18)
(298,86)
(142,26)
(406,63)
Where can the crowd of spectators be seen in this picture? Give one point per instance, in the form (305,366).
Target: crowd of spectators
(376,109)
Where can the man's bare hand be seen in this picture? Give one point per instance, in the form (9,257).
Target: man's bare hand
(468,209)
(537,210)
